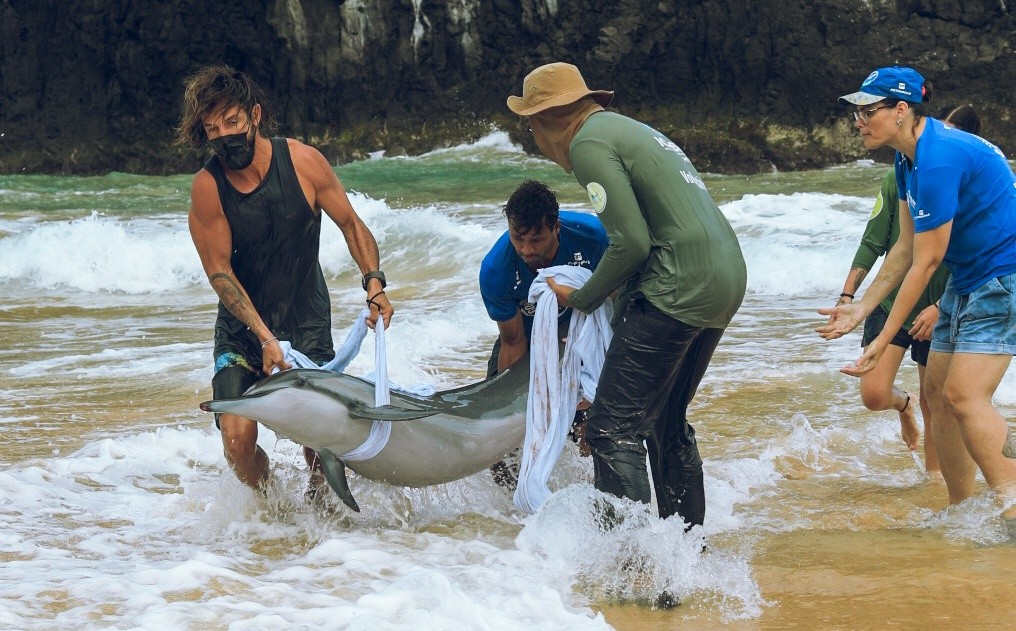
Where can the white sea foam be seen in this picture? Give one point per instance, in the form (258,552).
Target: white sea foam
(797,244)
(794,245)
(496,140)
(100,254)
(158,521)
(106,255)
(114,362)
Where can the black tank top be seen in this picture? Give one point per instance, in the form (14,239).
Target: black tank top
(276,237)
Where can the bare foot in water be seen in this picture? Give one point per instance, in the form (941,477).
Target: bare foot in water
(908,424)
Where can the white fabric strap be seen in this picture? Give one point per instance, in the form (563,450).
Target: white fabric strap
(380,431)
(381,394)
(556,385)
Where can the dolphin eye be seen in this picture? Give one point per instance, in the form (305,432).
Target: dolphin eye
(301,382)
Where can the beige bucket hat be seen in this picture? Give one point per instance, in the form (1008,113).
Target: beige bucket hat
(554,85)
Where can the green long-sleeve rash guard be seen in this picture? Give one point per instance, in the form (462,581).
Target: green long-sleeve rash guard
(880,234)
(668,239)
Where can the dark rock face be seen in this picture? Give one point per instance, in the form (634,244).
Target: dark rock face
(95,85)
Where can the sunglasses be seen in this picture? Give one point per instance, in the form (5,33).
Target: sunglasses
(865,115)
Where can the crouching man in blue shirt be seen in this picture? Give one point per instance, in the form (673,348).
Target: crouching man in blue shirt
(539,235)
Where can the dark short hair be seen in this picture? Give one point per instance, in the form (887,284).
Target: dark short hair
(214,88)
(531,207)
(963,117)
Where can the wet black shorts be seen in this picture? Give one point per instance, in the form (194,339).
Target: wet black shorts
(876,322)
(231,382)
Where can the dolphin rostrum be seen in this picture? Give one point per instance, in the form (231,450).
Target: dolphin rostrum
(436,439)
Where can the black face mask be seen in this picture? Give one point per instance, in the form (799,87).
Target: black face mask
(235,150)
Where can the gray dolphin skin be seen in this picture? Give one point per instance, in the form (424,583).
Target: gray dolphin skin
(447,436)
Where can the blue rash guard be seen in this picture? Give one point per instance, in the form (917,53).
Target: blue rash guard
(505,279)
(965,179)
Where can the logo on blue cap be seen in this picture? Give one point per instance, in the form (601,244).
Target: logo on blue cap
(905,84)
(901,83)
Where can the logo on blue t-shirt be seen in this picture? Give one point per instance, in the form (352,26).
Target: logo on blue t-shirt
(917,213)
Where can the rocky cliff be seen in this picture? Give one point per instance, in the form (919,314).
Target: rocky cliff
(94,85)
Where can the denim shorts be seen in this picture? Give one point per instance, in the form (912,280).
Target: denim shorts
(984,321)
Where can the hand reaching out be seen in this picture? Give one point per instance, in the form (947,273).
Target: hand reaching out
(867,361)
(843,319)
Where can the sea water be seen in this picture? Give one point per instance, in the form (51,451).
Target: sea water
(118,511)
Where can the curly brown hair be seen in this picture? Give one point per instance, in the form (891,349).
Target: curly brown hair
(214,88)
(531,207)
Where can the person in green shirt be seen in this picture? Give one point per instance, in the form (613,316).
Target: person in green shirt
(878,391)
(680,277)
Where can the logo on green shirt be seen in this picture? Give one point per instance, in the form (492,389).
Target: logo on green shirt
(597,197)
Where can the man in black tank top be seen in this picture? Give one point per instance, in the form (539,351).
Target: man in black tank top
(255,219)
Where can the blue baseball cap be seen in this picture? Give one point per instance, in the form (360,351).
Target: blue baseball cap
(905,84)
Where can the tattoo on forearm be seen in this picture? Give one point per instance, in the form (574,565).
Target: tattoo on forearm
(858,280)
(232,297)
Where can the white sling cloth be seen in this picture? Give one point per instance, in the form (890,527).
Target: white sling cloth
(556,385)
(380,431)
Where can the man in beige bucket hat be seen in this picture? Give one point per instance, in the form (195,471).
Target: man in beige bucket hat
(553,85)
(677,266)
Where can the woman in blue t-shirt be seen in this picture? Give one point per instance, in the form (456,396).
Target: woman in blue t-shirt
(958,208)
(878,391)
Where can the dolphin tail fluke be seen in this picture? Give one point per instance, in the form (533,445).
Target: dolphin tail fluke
(335,472)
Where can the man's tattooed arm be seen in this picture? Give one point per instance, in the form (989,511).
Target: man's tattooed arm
(852,284)
(235,299)
(858,279)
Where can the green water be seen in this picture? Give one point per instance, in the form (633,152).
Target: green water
(430,178)
(460,176)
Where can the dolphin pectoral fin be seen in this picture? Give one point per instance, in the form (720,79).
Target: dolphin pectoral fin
(388,413)
(335,472)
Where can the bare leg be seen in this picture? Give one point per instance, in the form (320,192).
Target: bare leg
(317,486)
(958,468)
(909,430)
(930,454)
(239,442)
(970,383)
(878,393)
(312,460)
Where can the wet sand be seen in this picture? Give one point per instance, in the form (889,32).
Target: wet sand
(874,579)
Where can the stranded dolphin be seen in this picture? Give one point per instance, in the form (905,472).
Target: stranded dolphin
(447,436)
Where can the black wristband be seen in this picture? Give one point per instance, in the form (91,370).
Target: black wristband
(846,295)
(378,274)
(371,301)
